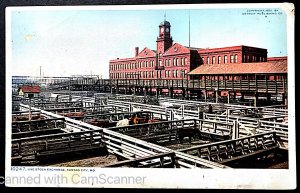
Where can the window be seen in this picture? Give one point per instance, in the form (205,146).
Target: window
(231,58)
(176,61)
(213,60)
(219,59)
(225,59)
(207,60)
(182,62)
(235,58)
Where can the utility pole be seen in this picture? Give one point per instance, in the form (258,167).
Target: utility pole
(189,30)
(29,116)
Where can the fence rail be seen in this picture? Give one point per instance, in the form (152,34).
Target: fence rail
(230,150)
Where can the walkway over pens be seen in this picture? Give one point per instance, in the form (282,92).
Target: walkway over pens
(186,88)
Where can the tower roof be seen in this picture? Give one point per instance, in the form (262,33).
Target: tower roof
(165,23)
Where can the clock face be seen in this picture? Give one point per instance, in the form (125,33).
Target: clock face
(167,30)
(162,29)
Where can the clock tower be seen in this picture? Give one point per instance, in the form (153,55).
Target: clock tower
(164,39)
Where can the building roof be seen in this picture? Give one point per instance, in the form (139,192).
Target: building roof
(165,23)
(275,59)
(30,89)
(280,66)
(231,48)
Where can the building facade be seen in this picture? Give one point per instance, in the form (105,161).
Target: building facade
(173,60)
(169,60)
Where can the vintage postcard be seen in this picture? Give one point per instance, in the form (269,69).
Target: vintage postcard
(168,96)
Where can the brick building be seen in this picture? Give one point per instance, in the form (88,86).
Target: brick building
(173,60)
(168,61)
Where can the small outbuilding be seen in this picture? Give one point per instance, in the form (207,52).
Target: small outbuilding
(29,91)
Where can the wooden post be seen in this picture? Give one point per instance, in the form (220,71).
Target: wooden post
(217,95)
(225,81)
(235,131)
(214,128)
(218,83)
(255,99)
(255,83)
(205,84)
(233,82)
(228,97)
(29,115)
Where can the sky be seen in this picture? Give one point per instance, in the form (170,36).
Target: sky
(81,42)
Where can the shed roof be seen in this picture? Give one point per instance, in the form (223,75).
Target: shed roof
(30,89)
(274,67)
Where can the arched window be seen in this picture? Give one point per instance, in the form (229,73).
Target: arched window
(235,58)
(184,61)
(219,59)
(225,59)
(207,60)
(231,58)
(176,61)
(213,60)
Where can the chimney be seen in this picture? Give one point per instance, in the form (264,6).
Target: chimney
(136,51)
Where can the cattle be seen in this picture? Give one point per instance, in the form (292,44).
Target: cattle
(153,120)
(26,117)
(101,123)
(188,132)
(124,122)
(72,114)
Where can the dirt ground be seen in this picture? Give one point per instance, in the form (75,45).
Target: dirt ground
(99,161)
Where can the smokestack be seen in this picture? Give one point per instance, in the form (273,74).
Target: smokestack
(136,51)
